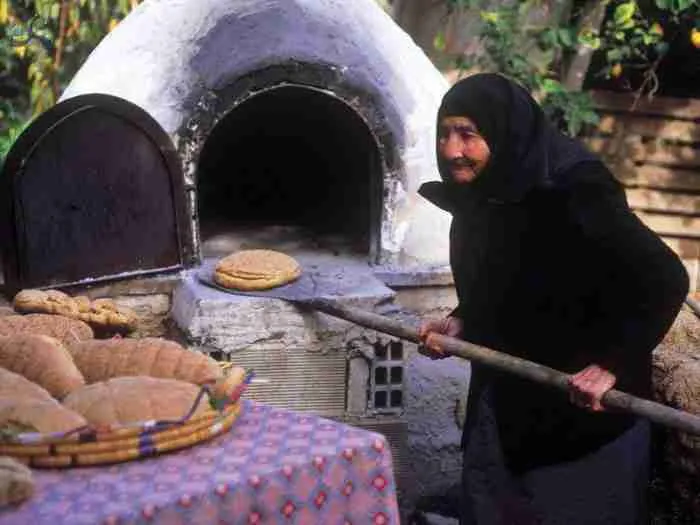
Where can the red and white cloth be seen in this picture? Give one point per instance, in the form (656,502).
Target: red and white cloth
(274,466)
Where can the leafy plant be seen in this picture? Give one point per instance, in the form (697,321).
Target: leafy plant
(637,36)
(7,139)
(529,54)
(514,41)
(42,45)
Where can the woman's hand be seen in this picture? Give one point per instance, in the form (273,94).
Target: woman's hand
(587,387)
(450,326)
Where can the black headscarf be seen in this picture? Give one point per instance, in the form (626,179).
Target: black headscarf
(526,150)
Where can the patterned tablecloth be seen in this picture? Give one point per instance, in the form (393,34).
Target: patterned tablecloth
(274,466)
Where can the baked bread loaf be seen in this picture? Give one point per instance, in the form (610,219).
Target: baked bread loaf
(43,360)
(27,407)
(16,482)
(57,326)
(101,359)
(101,314)
(35,415)
(250,270)
(133,399)
(45,302)
(18,386)
(106,315)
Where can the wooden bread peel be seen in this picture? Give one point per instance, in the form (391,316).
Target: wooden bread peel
(301,292)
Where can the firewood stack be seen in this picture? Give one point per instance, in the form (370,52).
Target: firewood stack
(676,381)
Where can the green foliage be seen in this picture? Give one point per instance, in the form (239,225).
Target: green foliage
(634,39)
(8,137)
(677,7)
(528,55)
(42,45)
(537,56)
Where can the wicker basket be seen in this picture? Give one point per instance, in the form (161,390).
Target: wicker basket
(115,444)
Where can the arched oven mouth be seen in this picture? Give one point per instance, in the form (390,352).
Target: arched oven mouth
(292,168)
(95,190)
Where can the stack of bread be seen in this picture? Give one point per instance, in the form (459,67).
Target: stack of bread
(103,315)
(249,270)
(48,386)
(56,377)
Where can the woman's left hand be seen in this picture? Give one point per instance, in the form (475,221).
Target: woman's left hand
(587,387)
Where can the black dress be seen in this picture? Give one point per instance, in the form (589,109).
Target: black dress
(565,276)
(550,264)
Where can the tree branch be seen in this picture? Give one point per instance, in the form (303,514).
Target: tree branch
(592,17)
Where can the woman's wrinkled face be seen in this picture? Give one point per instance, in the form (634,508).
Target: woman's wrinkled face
(463,151)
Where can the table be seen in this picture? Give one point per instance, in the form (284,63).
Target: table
(273,466)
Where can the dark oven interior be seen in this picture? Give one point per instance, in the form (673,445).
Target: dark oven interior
(290,165)
(95,189)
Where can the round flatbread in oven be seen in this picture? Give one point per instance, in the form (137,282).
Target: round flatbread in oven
(250,270)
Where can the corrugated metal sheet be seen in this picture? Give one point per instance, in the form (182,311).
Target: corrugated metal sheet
(298,379)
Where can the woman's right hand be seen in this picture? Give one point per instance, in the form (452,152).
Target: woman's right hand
(450,326)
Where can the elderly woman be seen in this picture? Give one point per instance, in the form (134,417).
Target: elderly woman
(550,265)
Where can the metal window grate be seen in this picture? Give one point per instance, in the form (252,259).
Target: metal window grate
(386,379)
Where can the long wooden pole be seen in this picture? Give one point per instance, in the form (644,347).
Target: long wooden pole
(694,305)
(616,399)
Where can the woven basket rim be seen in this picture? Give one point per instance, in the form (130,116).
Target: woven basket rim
(84,454)
(98,441)
(93,434)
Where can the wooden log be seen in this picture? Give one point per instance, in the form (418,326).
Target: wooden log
(692,266)
(613,399)
(694,305)
(663,201)
(671,225)
(685,248)
(656,128)
(683,108)
(670,155)
(655,152)
(657,177)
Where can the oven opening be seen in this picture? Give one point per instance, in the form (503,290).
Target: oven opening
(292,168)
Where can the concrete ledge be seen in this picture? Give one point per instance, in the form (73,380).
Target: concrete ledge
(419,276)
(151,285)
(231,322)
